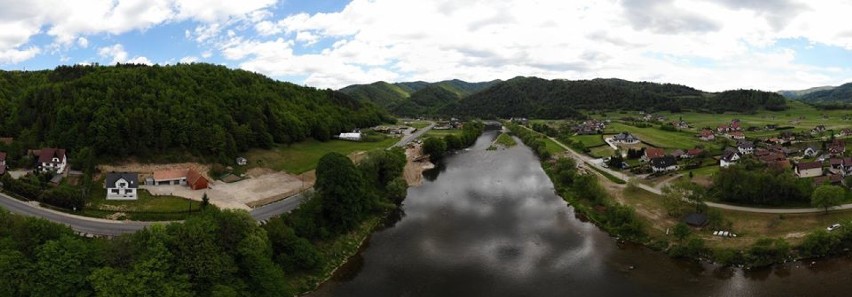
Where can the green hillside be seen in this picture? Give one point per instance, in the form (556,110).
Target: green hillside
(134,110)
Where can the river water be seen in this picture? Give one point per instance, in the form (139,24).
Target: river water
(488,223)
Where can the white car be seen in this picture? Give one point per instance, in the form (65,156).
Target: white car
(832,227)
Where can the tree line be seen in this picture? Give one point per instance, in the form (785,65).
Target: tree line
(437,147)
(205,110)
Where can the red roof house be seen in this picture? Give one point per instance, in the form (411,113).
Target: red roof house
(195,180)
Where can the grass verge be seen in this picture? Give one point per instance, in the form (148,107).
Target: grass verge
(301,157)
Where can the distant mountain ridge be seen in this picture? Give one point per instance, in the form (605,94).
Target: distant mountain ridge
(415,98)
(796,94)
(558,98)
(839,94)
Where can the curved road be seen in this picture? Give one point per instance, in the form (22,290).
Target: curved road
(92,226)
(589,161)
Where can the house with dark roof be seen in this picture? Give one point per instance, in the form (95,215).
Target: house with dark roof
(663,164)
(122,186)
(828,179)
(810,152)
(729,157)
(745,147)
(625,137)
(808,169)
(52,160)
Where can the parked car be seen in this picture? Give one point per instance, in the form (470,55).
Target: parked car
(832,227)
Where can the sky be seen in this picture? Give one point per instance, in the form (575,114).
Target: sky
(712,45)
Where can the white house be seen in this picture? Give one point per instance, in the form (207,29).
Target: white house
(808,169)
(745,147)
(122,186)
(663,164)
(728,158)
(810,152)
(52,159)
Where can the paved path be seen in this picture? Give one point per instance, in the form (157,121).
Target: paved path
(405,140)
(582,159)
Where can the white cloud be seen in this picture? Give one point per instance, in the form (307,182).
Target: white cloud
(12,56)
(712,45)
(118,55)
(189,59)
(83,42)
(67,21)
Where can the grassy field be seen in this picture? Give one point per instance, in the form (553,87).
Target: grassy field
(601,152)
(552,147)
(442,133)
(659,138)
(589,140)
(417,124)
(303,156)
(800,115)
(146,208)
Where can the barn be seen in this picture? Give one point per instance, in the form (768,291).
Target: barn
(195,180)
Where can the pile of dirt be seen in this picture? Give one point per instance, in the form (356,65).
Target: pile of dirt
(146,170)
(414,168)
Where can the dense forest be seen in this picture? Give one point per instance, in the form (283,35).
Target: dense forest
(216,253)
(418,98)
(841,94)
(135,110)
(540,98)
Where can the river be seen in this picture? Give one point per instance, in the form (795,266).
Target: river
(488,223)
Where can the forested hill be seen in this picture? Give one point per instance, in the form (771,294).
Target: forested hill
(796,94)
(841,94)
(415,98)
(134,110)
(541,98)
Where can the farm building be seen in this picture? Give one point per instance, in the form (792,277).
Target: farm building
(354,136)
(195,180)
(170,177)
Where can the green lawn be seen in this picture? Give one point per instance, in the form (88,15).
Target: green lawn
(147,207)
(589,140)
(602,152)
(418,124)
(552,147)
(303,156)
(442,133)
(657,137)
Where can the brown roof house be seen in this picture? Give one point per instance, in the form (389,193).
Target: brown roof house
(52,160)
(808,169)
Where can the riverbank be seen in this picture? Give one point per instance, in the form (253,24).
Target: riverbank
(415,164)
(631,213)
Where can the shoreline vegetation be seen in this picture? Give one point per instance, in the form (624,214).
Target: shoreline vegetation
(582,189)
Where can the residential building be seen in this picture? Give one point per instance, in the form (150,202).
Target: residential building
(625,138)
(122,186)
(808,169)
(745,147)
(653,153)
(736,135)
(829,179)
(729,157)
(837,147)
(810,152)
(679,154)
(692,153)
(663,164)
(52,160)
(707,135)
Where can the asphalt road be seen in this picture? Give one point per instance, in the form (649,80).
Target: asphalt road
(101,227)
(415,135)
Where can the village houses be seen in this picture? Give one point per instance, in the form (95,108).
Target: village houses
(122,186)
